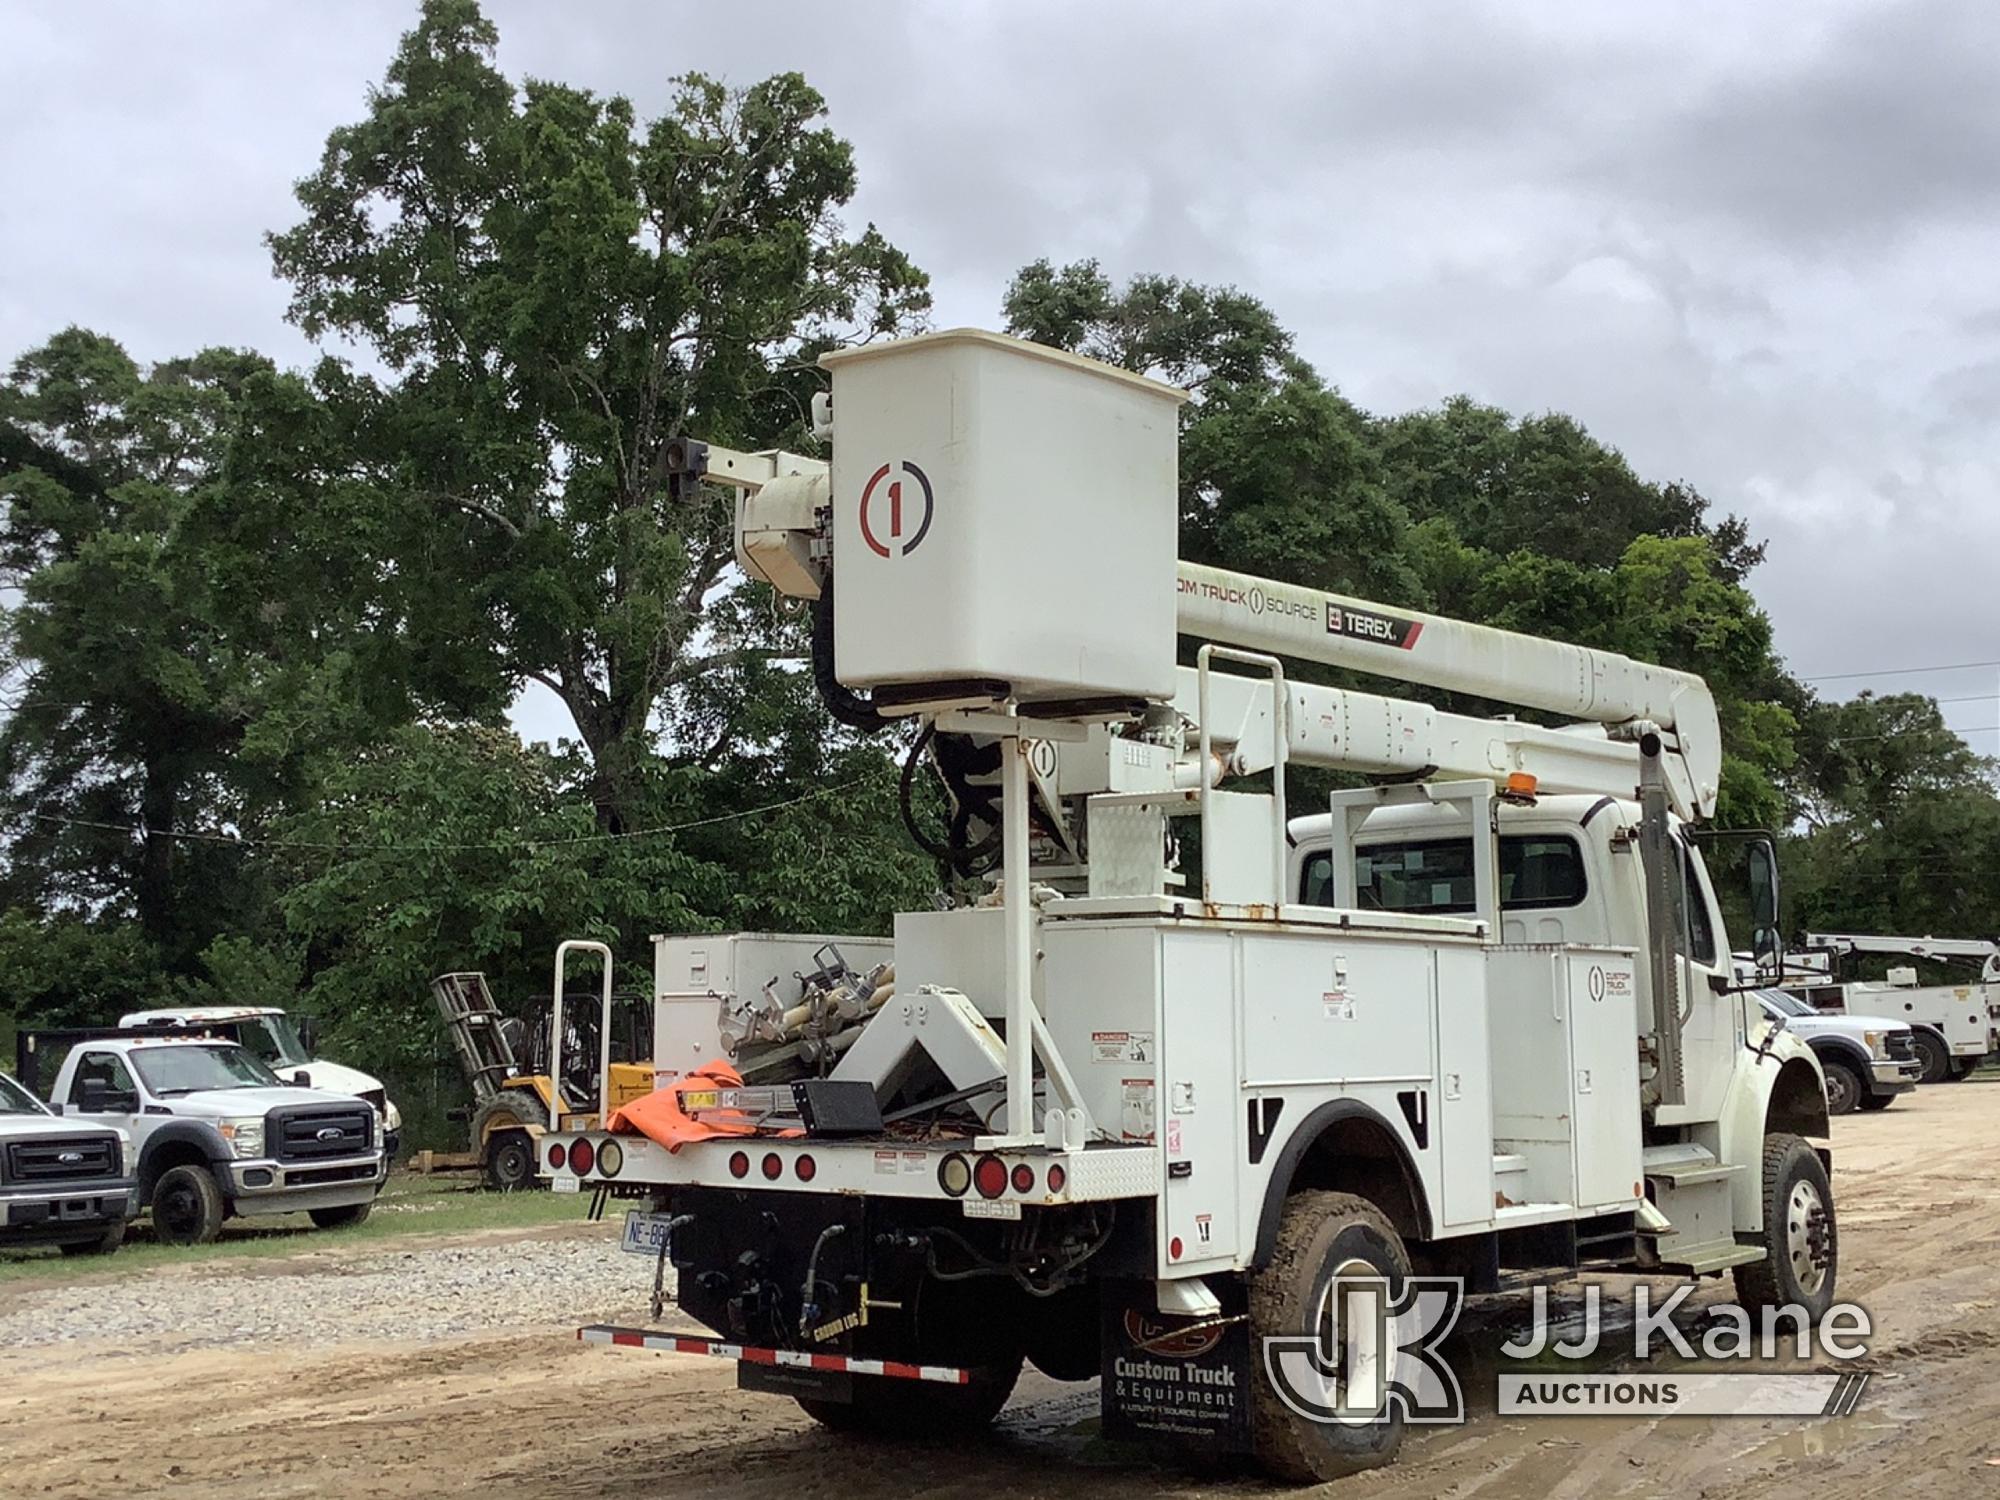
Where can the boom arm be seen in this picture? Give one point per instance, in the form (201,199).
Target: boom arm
(1971,950)
(781,539)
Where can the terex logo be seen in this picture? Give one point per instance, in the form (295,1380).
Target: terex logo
(876,497)
(1366,625)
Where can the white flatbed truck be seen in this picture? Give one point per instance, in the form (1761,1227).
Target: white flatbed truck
(1137,1113)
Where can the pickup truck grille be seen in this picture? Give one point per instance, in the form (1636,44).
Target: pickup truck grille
(316,1134)
(62,1160)
(1901,1045)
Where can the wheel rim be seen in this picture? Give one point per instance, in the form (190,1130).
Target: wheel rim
(178,1211)
(1369,1365)
(510,1165)
(1808,1236)
(1841,1091)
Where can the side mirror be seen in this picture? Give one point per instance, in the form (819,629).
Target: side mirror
(1765,942)
(96,1097)
(309,1034)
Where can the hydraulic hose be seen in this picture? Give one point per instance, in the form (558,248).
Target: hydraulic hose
(846,706)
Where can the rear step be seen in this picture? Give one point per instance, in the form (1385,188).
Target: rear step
(797,1359)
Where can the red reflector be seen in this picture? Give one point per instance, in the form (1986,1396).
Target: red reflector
(1024,1178)
(739,1164)
(989,1175)
(806,1167)
(1174,1248)
(556,1154)
(582,1156)
(1057,1178)
(772,1166)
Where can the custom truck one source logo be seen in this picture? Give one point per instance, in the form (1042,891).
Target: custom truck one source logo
(889,510)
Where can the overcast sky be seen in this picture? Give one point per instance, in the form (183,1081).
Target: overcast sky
(1752,246)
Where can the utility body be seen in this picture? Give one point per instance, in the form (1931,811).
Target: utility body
(217,1134)
(1956,1026)
(61,1183)
(1136,1109)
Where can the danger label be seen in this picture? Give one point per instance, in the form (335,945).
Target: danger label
(1338,1005)
(1121,1046)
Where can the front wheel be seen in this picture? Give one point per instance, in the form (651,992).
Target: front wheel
(187,1206)
(1801,1239)
(340,1218)
(510,1162)
(1878,1101)
(1844,1090)
(1323,1239)
(1935,1056)
(104,1244)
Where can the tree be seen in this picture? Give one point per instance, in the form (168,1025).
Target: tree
(557,289)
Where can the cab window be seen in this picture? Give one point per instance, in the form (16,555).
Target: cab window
(1701,933)
(1434,876)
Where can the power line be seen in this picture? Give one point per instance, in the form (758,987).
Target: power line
(198,836)
(1855,739)
(1963,666)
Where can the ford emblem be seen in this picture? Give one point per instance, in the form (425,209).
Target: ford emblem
(70,1158)
(332,1133)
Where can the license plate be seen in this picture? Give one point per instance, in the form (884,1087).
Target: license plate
(980,1208)
(565,1184)
(644,1233)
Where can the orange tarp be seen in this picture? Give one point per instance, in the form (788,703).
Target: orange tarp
(659,1116)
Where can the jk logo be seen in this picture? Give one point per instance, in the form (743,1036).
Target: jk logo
(1369,1348)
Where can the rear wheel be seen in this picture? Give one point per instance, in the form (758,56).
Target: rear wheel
(1934,1055)
(187,1206)
(506,1146)
(1322,1239)
(1843,1087)
(885,1407)
(1801,1239)
(1963,1068)
(340,1218)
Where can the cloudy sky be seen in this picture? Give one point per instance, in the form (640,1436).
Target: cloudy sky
(1752,246)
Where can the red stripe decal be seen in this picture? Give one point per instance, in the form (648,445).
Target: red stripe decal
(829,1362)
(760,1356)
(904,1372)
(1416,629)
(629,1340)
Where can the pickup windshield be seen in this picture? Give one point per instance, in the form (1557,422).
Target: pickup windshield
(15,1100)
(168,1071)
(274,1039)
(1791,1005)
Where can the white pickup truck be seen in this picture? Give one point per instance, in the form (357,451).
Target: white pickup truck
(219,1135)
(59,1184)
(287,1048)
(1868,1061)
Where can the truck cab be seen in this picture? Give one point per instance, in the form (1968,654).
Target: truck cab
(285,1047)
(219,1135)
(62,1183)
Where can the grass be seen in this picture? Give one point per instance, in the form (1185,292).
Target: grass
(410,1206)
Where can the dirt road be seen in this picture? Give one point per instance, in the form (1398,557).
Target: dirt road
(530,1412)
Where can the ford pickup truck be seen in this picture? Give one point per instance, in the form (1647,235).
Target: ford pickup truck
(61,1182)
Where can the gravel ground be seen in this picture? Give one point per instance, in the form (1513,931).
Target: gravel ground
(422,1294)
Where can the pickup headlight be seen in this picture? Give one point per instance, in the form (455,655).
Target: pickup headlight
(1878,1048)
(245,1135)
(392,1117)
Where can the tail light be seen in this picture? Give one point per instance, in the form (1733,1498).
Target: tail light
(610,1157)
(1057,1177)
(990,1176)
(1024,1178)
(557,1155)
(806,1168)
(581,1156)
(739,1164)
(773,1167)
(954,1175)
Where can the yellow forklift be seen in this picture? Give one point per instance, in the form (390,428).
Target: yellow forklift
(513,1066)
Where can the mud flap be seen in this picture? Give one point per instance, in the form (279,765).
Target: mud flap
(790,1380)
(1172,1379)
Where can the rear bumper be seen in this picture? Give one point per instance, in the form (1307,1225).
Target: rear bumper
(30,1214)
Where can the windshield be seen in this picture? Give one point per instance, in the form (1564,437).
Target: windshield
(1791,1005)
(274,1039)
(15,1100)
(168,1071)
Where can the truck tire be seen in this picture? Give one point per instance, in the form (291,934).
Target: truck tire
(506,1151)
(885,1407)
(345,1217)
(104,1244)
(1322,1236)
(1935,1056)
(187,1206)
(1874,1102)
(1801,1237)
(1963,1068)
(1844,1088)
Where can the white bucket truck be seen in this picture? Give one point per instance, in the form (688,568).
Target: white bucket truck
(1957,1026)
(1140,1109)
